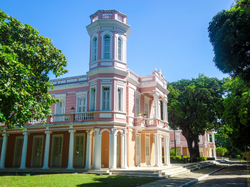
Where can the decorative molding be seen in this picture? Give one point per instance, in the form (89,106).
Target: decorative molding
(121,116)
(71,80)
(106,63)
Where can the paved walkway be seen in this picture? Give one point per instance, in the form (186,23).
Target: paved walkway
(183,178)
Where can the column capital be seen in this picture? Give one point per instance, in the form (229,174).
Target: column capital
(4,135)
(26,133)
(90,131)
(97,130)
(72,131)
(156,95)
(48,132)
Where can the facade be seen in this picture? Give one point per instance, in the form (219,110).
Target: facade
(108,118)
(206,144)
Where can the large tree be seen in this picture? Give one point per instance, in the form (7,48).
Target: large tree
(236,114)
(193,108)
(26,59)
(229,34)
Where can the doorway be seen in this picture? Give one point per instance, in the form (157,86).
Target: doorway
(37,152)
(56,160)
(18,151)
(79,150)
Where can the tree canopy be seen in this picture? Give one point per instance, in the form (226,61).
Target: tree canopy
(26,59)
(229,34)
(236,114)
(193,107)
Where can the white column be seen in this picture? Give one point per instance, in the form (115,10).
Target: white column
(214,149)
(97,151)
(166,112)
(205,150)
(168,153)
(160,150)
(24,151)
(165,150)
(156,150)
(71,149)
(114,138)
(181,151)
(88,149)
(125,149)
(46,152)
(164,102)
(110,150)
(155,106)
(122,150)
(213,137)
(3,153)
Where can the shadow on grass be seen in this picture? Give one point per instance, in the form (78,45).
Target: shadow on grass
(120,181)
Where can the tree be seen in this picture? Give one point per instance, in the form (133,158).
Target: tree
(229,34)
(26,58)
(236,114)
(220,151)
(193,108)
(222,140)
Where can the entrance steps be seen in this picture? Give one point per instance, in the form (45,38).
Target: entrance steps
(162,173)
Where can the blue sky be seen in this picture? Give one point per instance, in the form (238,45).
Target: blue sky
(172,33)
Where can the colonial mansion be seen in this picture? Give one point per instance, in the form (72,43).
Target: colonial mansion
(108,118)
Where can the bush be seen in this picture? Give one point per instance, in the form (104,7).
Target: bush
(238,156)
(211,158)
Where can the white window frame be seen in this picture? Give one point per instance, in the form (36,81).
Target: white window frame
(84,150)
(81,95)
(32,155)
(137,96)
(146,101)
(15,155)
(110,96)
(62,98)
(93,48)
(122,98)
(107,32)
(91,99)
(52,151)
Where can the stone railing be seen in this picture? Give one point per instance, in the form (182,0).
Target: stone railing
(84,116)
(60,117)
(39,121)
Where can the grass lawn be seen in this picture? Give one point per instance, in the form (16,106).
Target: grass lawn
(72,180)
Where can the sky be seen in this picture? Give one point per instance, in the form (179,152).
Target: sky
(170,34)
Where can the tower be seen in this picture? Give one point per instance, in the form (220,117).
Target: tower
(108,33)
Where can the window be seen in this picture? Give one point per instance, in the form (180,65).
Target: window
(119,99)
(105,98)
(95,49)
(137,106)
(146,109)
(81,104)
(106,47)
(119,49)
(177,137)
(92,99)
(60,107)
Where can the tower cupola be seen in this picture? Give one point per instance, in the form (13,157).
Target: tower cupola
(108,33)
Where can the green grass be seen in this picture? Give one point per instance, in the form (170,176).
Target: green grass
(72,180)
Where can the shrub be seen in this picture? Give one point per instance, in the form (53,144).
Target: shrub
(238,156)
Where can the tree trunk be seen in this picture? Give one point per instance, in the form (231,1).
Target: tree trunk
(192,141)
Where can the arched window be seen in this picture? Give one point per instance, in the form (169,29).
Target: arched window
(94,49)
(106,47)
(119,49)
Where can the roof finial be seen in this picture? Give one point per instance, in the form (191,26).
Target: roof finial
(159,69)
(155,68)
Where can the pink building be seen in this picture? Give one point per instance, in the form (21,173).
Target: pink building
(206,144)
(108,118)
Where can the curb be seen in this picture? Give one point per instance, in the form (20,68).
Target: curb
(200,178)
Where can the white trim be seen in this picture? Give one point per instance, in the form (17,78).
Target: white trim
(110,96)
(84,95)
(15,155)
(105,130)
(32,153)
(90,98)
(92,47)
(107,32)
(52,151)
(122,98)
(62,98)
(120,35)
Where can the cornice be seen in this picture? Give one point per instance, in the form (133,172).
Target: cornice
(107,70)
